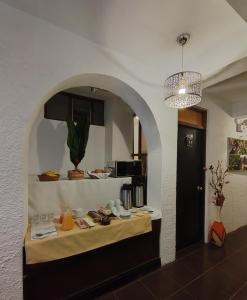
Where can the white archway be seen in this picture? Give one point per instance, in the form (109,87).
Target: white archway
(138,105)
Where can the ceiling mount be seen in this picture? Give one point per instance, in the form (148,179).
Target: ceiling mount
(183,38)
(93,89)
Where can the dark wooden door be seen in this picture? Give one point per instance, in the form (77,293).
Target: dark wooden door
(190,186)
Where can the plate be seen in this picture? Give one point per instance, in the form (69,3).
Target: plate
(133,210)
(147,208)
(125,214)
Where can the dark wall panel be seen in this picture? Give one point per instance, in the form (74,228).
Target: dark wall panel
(64,105)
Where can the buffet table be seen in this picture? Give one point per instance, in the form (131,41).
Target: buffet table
(76,241)
(89,274)
(56,196)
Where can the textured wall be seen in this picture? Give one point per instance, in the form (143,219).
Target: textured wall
(48,141)
(48,147)
(220,126)
(118,130)
(122,132)
(37,60)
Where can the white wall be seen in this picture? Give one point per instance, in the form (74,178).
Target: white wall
(49,151)
(37,60)
(220,126)
(48,146)
(119,130)
(122,131)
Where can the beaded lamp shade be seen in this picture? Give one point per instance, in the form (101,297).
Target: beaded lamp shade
(183,88)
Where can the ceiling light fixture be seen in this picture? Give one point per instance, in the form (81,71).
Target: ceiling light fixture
(183,88)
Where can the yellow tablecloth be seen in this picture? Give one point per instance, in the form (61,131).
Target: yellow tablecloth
(76,241)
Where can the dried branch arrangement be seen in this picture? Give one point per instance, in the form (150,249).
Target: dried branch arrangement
(217,182)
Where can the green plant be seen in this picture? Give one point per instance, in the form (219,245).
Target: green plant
(78,137)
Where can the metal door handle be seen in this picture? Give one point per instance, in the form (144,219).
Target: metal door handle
(199,188)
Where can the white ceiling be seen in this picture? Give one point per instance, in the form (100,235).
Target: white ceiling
(146,30)
(240,6)
(230,95)
(231,90)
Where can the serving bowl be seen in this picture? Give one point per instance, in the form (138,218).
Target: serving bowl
(98,175)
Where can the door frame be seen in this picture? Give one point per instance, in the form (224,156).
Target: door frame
(203,111)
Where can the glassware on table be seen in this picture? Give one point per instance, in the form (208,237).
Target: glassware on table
(35,219)
(68,222)
(43,218)
(51,217)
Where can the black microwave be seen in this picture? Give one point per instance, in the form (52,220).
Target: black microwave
(125,168)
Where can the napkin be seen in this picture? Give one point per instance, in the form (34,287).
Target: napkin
(42,230)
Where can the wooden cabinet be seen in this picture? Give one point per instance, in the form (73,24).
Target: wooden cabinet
(63,106)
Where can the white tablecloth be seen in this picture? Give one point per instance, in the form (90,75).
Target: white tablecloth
(56,196)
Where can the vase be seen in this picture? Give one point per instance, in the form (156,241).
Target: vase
(219,200)
(217,231)
(218,213)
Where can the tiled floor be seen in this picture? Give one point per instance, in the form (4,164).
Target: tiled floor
(201,272)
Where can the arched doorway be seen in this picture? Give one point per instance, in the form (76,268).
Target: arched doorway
(137,103)
(139,106)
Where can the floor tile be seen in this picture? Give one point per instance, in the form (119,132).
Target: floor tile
(236,239)
(241,294)
(161,284)
(198,264)
(181,296)
(134,291)
(200,272)
(215,284)
(109,296)
(181,273)
(213,254)
(188,250)
(236,265)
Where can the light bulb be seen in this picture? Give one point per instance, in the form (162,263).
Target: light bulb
(182,90)
(182,86)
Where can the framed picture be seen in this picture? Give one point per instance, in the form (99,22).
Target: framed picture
(237,154)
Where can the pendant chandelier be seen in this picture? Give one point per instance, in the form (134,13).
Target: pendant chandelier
(183,88)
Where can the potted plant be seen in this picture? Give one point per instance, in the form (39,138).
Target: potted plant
(77,139)
(217,182)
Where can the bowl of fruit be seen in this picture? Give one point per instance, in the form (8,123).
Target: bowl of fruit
(99,174)
(49,176)
(75,174)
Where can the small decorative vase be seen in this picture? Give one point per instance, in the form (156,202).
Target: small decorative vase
(217,231)
(219,200)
